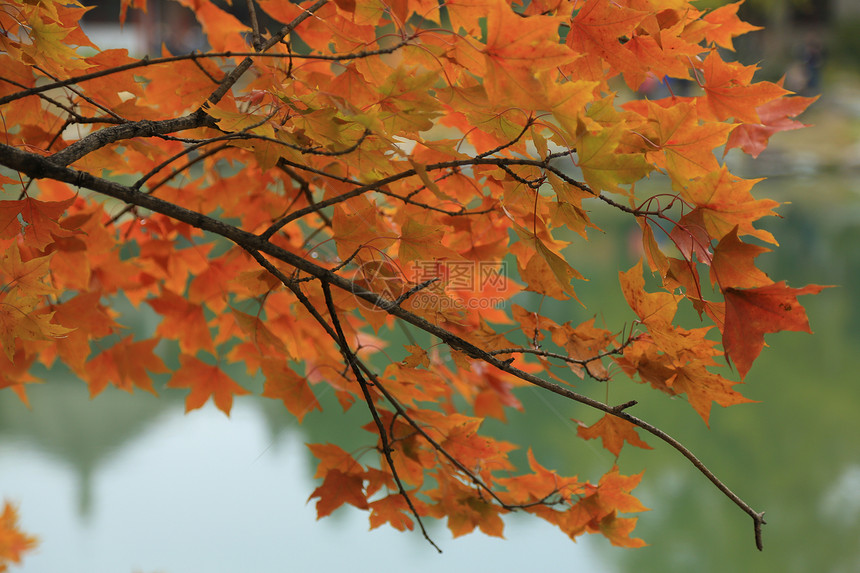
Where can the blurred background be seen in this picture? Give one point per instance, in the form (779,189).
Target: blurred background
(129,483)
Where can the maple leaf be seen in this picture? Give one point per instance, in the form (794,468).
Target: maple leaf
(417,356)
(538,484)
(357,223)
(465,509)
(730,92)
(703,387)
(40,220)
(545,259)
(517,48)
(733,264)
(601,165)
(419,242)
(205,381)
(690,235)
(48,48)
(774,116)
(285,385)
(675,139)
(15,374)
(183,321)
(666,53)
(726,202)
(222,29)
(752,312)
(89,319)
(27,276)
(13,541)
(393,510)
(259,334)
(597,27)
(725,25)
(613,432)
(331,457)
(654,309)
(339,488)
(597,509)
(618,529)
(125,365)
(21,320)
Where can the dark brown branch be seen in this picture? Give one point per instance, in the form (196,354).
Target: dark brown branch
(151,128)
(304,191)
(547,354)
(563,357)
(86,98)
(40,167)
(436,445)
(351,359)
(194,56)
(468,162)
(504,146)
(146,61)
(414,289)
(146,128)
(256,38)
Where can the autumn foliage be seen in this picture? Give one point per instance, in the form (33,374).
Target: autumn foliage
(284,199)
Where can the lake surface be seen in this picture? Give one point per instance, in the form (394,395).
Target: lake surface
(129,483)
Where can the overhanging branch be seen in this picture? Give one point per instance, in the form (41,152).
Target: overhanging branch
(39,167)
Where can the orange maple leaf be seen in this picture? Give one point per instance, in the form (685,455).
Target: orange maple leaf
(184,321)
(25,275)
(618,529)
(733,263)
(725,25)
(339,488)
(597,510)
(516,50)
(125,365)
(40,220)
(613,432)
(703,387)
(223,30)
(13,542)
(391,509)
(20,319)
(654,309)
(726,202)
(730,91)
(675,139)
(205,381)
(285,385)
(597,27)
(538,484)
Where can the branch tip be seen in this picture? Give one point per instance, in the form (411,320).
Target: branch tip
(624,406)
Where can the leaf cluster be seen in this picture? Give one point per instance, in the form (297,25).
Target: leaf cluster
(279,207)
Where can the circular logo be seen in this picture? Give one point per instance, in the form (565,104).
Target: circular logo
(381,278)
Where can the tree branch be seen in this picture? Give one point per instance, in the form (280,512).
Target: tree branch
(40,167)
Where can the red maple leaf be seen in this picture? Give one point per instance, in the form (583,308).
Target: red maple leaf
(752,312)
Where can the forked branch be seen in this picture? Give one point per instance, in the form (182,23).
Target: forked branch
(36,166)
